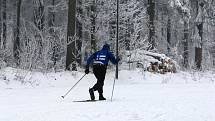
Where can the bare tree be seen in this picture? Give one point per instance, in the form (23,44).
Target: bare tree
(71,39)
(184,11)
(51,17)
(39,19)
(39,16)
(0,24)
(93,25)
(79,31)
(53,37)
(17,38)
(185,43)
(199,25)
(151,26)
(168,34)
(4,23)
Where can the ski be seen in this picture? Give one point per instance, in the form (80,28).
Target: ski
(88,100)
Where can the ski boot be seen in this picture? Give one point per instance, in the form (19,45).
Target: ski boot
(101,97)
(92,96)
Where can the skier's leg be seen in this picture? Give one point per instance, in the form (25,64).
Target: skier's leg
(99,72)
(101,82)
(96,71)
(95,87)
(92,96)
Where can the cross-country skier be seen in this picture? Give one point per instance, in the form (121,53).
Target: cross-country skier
(100,61)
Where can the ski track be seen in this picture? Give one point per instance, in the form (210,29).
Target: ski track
(132,101)
(138,103)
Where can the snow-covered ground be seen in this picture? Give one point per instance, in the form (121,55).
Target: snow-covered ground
(138,96)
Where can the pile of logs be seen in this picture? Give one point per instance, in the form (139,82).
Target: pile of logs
(163,67)
(152,62)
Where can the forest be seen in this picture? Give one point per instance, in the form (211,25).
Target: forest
(55,60)
(61,34)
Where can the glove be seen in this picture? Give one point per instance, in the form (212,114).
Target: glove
(87,71)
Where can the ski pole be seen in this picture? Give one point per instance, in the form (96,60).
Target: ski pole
(73,86)
(116,77)
(113,88)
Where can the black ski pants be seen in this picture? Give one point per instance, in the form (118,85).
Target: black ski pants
(99,71)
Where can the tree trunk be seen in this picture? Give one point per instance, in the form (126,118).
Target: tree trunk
(39,16)
(53,38)
(198,57)
(127,35)
(38,13)
(79,32)
(198,49)
(51,18)
(71,39)
(39,19)
(186,51)
(17,40)
(168,34)
(0,24)
(4,19)
(93,26)
(151,13)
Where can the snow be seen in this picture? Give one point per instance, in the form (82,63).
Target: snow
(138,96)
(145,56)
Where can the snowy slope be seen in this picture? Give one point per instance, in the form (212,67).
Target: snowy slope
(138,97)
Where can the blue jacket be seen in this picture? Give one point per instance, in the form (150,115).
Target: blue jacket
(102,57)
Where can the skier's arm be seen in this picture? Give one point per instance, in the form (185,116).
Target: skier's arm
(90,59)
(112,58)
